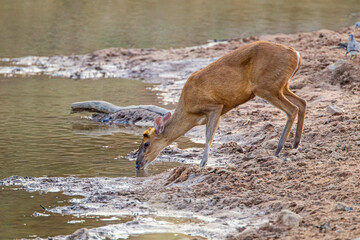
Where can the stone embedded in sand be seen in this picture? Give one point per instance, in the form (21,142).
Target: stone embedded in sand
(342,207)
(265,226)
(37,214)
(337,65)
(248,233)
(82,233)
(334,110)
(289,218)
(270,144)
(271,227)
(325,227)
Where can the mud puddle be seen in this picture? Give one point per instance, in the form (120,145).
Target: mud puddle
(34,221)
(140,205)
(37,219)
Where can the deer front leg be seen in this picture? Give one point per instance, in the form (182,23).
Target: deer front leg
(212,122)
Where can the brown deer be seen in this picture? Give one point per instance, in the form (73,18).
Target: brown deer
(261,69)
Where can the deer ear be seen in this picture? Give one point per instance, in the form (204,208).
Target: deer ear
(160,123)
(167,116)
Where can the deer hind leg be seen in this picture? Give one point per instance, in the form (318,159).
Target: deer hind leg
(301,104)
(212,122)
(281,102)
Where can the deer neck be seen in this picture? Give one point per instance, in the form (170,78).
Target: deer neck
(178,125)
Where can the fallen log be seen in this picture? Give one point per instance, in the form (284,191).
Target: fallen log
(106,107)
(109,113)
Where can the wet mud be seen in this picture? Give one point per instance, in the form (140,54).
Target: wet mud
(243,192)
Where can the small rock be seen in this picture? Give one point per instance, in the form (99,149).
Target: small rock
(289,218)
(342,207)
(265,226)
(221,171)
(240,229)
(268,127)
(248,233)
(82,233)
(37,214)
(270,144)
(293,151)
(323,228)
(109,67)
(269,227)
(333,110)
(337,65)
(331,186)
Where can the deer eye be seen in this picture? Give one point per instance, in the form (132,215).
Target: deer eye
(146,144)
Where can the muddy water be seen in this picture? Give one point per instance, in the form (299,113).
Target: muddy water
(45,27)
(32,221)
(18,219)
(40,138)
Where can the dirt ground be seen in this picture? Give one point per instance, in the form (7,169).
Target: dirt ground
(319,181)
(313,181)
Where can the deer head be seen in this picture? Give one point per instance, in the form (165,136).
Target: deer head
(153,142)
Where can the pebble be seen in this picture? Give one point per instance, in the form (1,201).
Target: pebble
(342,207)
(37,214)
(333,110)
(289,218)
(82,233)
(337,65)
(265,225)
(323,228)
(270,144)
(293,151)
(247,233)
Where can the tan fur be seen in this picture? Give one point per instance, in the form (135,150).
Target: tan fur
(258,69)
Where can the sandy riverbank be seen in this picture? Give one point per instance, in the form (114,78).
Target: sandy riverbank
(245,185)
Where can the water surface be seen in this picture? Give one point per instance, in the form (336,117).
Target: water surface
(40,138)
(47,27)
(17,219)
